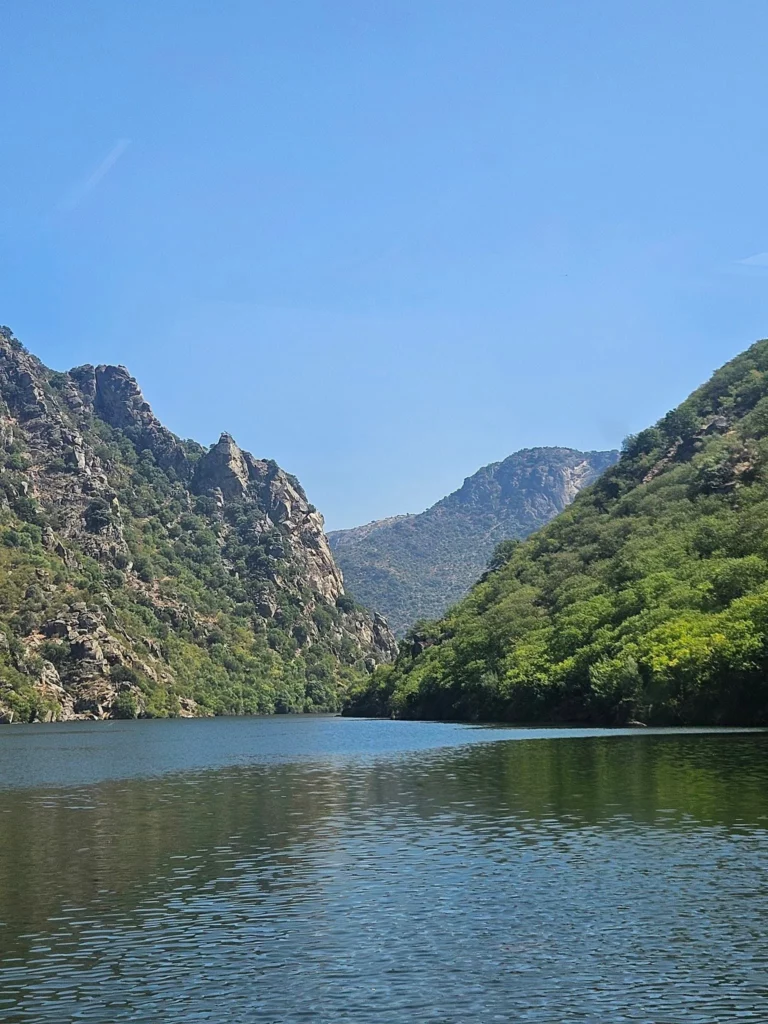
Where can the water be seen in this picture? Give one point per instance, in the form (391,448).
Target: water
(324,870)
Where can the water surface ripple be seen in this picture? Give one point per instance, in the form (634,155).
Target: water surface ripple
(329,870)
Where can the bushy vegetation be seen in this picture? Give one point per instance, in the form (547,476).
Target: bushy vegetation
(646,599)
(204,623)
(213,598)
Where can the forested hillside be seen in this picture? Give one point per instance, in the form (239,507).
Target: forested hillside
(646,599)
(145,575)
(415,566)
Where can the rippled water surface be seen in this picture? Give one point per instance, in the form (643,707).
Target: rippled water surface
(324,870)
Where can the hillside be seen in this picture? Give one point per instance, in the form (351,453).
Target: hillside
(145,575)
(646,599)
(415,566)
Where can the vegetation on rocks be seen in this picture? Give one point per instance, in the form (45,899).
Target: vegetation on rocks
(145,575)
(646,599)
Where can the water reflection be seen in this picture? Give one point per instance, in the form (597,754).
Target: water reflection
(607,878)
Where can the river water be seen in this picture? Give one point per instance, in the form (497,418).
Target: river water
(324,870)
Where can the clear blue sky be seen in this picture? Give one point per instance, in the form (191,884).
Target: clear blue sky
(386,243)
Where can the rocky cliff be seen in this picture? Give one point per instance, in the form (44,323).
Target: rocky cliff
(415,566)
(144,574)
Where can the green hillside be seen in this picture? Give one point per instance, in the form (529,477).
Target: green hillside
(145,575)
(646,599)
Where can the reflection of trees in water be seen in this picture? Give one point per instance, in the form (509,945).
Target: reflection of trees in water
(715,779)
(119,843)
(111,841)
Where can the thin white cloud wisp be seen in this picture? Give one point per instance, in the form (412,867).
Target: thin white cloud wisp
(78,194)
(760,259)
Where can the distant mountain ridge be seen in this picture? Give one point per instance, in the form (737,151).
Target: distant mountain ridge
(409,567)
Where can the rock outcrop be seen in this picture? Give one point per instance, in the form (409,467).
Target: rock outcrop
(142,574)
(222,471)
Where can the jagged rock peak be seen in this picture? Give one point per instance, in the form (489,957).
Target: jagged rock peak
(223,468)
(20,379)
(119,399)
(114,396)
(227,473)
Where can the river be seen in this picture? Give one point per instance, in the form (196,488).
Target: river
(322,869)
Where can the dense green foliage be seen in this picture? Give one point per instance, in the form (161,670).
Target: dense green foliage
(201,618)
(646,599)
(191,599)
(415,566)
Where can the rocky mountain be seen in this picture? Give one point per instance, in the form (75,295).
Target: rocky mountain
(415,566)
(646,600)
(141,574)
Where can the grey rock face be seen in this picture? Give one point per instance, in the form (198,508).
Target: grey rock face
(222,469)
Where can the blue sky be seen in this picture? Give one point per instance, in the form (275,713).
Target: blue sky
(386,243)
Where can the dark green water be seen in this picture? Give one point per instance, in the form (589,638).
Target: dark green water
(326,870)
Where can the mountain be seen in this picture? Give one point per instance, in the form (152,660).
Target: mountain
(414,566)
(141,574)
(646,599)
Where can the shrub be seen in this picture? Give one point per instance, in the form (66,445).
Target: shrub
(16,461)
(142,566)
(26,508)
(124,674)
(125,705)
(57,654)
(98,516)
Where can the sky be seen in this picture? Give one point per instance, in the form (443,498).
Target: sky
(386,243)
